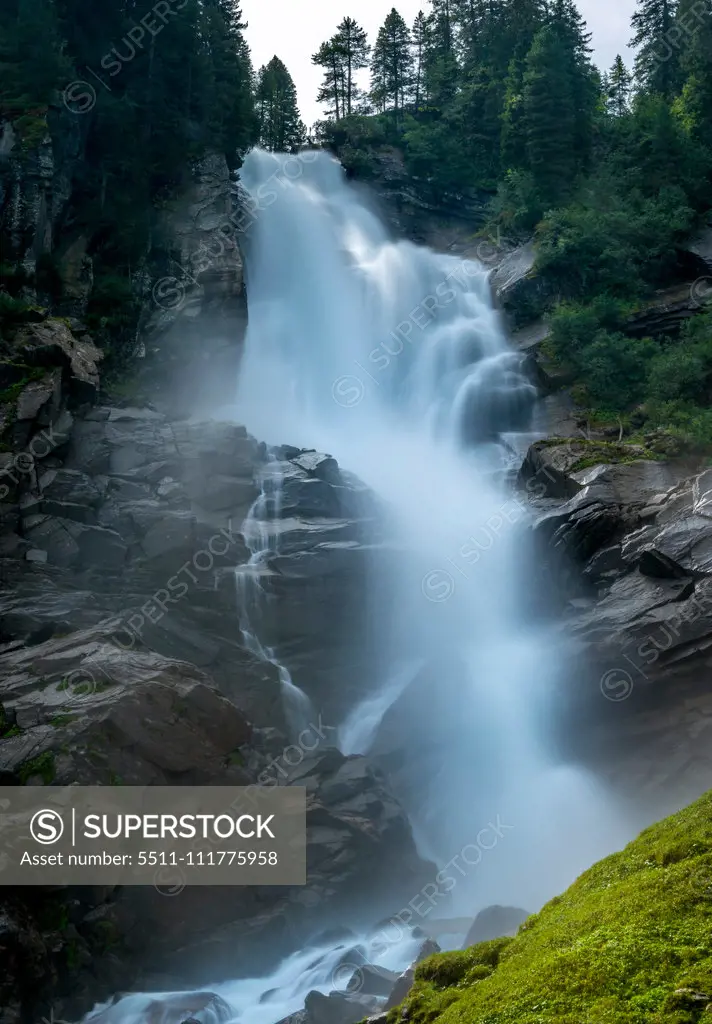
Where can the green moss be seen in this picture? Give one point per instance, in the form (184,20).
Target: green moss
(596,453)
(43,765)
(31,128)
(236,758)
(12,393)
(629,943)
(7,729)
(61,720)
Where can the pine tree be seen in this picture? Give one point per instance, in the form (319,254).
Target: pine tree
(392,65)
(329,56)
(280,127)
(549,115)
(469,17)
(585,82)
(657,63)
(230,99)
(521,20)
(618,88)
(694,20)
(351,40)
(441,66)
(32,64)
(419,36)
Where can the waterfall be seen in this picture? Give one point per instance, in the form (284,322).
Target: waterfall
(393,359)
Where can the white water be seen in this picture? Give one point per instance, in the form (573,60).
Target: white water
(392,359)
(261,534)
(322,968)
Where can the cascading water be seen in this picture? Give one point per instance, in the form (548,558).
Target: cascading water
(261,532)
(392,358)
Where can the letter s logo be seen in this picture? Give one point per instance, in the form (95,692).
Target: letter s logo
(46,827)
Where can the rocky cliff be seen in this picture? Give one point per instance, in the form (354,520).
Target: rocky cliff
(122,662)
(623,537)
(144,317)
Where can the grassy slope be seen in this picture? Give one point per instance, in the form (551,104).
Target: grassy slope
(613,949)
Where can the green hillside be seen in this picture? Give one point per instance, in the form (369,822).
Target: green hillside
(629,943)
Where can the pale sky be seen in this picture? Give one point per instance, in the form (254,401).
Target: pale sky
(293,31)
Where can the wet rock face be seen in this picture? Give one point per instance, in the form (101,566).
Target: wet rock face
(122,662)
(632,553)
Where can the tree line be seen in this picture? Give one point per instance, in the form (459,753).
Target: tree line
(499,101)
(142,93)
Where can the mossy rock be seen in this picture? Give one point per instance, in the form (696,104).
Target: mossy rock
(42,766)
(629,943)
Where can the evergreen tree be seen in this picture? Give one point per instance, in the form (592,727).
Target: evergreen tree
(657,62)
(32,63)
(392,65)
(329,56)
(549,115)
(419,36)
(441,66)
(521,21)
(469,16)
(585,82)
(351,40)
(694,21)
(230,102)
(618,88)
(280,127)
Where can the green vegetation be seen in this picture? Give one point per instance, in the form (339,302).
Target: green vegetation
(29,374)
(146,93)
(501,101)
(7,730)
(42,765)
(596,453)
(280,127)
(59,721)
(629,943)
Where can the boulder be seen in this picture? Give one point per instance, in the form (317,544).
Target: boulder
(50,342)
(494,923)
(405,981)
(337,1008)
(562,467)
(40,400)
(91,711)
(173,1008)
(370,980)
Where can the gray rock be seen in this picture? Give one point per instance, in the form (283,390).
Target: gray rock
(170,535)
(223,493)
(39,395)
(53,537)
(495,922)
(46,342)
(370,980)
(324,467)
(69,485)
(337,1008)
(72,543)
